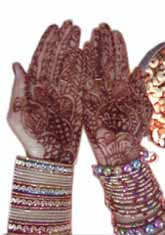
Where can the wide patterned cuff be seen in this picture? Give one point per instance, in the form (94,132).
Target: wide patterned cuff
(134,197)
(41,198)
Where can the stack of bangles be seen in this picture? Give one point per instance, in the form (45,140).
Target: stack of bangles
(134,197)
(41,198)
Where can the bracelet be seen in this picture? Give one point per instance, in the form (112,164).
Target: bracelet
(124,197)
(133,181)
(149,228)
(41,198)
(135,165)
(137,201)
(128,185)
(139,223)
(138,206)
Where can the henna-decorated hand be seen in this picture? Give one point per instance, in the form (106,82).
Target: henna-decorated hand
(46,108)
(117,110)
(117,115)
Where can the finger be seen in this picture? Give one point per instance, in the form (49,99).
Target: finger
(35,66)
(102,39)
(69,35)
(94,85)
(69,40)
(18,90)
(17,106)
(89,62)
(121,58)
(96,53)
(70,84)
(64,27)
(47,55)
(107,49)
(77,71)
(71,62)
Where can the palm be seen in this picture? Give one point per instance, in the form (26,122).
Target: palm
(117,110)
(47,118)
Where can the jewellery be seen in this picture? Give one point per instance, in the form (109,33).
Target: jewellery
(133,194)
(135,165)
(41,206)
(150,228)
(44,165)
(39,202)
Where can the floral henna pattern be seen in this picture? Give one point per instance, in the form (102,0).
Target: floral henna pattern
(154,65)
(50,108)
(117,110)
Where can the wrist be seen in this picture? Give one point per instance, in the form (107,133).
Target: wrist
(41,198)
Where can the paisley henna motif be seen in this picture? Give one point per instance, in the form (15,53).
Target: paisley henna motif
(117,110)
(154,65)
(51,107)
(117,115)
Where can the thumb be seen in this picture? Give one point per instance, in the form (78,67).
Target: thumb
(20,77)
(18,89)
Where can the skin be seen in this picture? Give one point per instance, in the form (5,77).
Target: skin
(117,109)
(46,104)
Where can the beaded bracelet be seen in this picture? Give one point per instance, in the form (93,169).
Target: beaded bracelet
(41,198)
(149,228)
(126,186)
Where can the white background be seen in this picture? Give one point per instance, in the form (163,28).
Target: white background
(21,24)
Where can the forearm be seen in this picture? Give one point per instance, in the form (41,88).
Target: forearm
(41,198)
(134,197)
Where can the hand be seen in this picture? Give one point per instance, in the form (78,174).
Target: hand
(46,109)
(117,110)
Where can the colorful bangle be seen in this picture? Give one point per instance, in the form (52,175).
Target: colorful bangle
(141,183)
(136,200)
(138,206)
(124,197)
(129,184)
(143,222)
(41,198)
(149,228)
(135,165)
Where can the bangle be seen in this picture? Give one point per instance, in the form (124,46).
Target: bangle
(41,198)
(143,222)
(138,206)
(128,185)
(149,228)
(122,170)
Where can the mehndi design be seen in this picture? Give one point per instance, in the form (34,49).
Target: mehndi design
(46,108)
(46,115)
(117,114)
(117,109)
